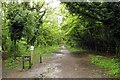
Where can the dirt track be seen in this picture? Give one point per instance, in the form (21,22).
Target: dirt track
(62,64)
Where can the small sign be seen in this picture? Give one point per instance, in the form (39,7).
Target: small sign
(27,58)
(32,48)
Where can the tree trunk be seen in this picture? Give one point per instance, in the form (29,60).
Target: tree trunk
(14,49)
(117,47)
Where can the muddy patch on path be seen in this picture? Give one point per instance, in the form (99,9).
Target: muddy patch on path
(49,70)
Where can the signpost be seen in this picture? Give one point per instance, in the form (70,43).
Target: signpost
(28,58)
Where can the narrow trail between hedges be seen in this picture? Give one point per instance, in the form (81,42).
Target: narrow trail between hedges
(62,64)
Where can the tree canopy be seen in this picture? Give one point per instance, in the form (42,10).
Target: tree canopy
(89,25)
(97,25)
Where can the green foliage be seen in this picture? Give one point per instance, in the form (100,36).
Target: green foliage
(75,49)
(112,64)
(93,25)
(25,25)
(11,64)
(23,47)
(13,50)
(46,49)
(16,21)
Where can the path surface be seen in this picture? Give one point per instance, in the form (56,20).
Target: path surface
(62,65)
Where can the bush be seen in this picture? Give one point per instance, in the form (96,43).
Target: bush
(14,50)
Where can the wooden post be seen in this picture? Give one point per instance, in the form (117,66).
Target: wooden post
(40,58)
(31,57)
(23,61)
(30,63)
(31,49)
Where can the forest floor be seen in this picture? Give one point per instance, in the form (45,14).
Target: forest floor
(62,64)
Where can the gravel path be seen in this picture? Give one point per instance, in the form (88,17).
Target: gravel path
(62,64)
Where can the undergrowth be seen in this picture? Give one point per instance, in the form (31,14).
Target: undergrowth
(111,64)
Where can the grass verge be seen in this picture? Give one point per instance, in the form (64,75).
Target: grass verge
(75,49)
(44,51)
(111,64)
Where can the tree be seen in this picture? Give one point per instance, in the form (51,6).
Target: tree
(101,23)
(25,24)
